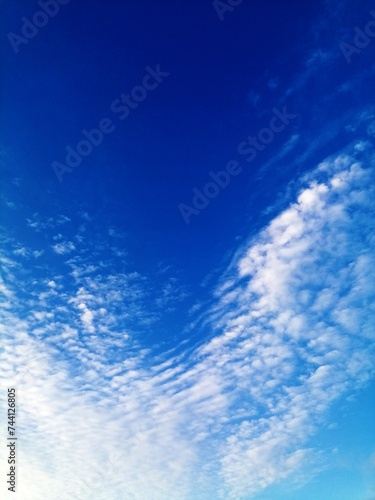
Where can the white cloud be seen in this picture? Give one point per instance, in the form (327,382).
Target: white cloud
(64,247)
(38,253)
(103,415)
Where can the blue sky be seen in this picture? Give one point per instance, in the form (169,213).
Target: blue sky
(188,313)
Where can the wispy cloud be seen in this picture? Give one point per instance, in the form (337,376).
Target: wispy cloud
(64,247)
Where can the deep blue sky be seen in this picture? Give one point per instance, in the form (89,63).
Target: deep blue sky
(111,248)
(92,52)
